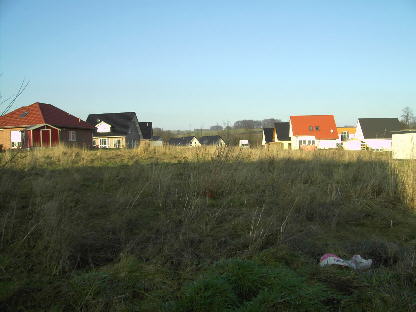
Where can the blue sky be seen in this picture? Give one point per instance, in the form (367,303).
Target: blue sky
(191,64)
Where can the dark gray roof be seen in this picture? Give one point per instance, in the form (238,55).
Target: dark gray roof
(404,131)
(268,134)
(181,141)
(120,122)
(282,131)
(146,129)
(210,139)
(379,128)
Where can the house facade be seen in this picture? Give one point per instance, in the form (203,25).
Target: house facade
(116,130)
(211,140)
(313,132)
(376,133)
(43,125)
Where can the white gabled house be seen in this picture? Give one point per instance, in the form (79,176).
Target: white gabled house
(212,140)
(313,132)
(376,133)
(191,141)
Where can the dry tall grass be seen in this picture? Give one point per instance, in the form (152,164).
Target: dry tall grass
(402,172)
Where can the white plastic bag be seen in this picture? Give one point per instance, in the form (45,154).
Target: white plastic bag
(356,262)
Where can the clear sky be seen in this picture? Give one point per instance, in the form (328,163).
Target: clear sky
(191,64)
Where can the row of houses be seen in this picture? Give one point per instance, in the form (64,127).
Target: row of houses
(211,140)
(44,125)
(320,132)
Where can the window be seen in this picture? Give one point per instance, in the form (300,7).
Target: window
(310,128)
(313,142)
(317,128)
(16,139)
(117,143)
(72,136)
(345,136)
(22,115)
(103,143)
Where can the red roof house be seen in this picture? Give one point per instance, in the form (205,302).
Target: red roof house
(319,131)
(43,125)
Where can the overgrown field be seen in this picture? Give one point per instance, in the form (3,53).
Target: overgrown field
(182,229)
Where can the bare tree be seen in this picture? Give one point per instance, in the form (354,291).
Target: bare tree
(7,103)
(407,117)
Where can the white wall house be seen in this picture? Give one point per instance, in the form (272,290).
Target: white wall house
(212,140)
(376,133)
(194,142)
(404,145)
(347,137)
(189,141)
(313,132)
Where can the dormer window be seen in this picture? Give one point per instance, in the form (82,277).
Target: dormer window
(23,115)
(310,128)
(317,128)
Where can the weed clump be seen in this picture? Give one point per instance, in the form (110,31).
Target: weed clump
(243,285)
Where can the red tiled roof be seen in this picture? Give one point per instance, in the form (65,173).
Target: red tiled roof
(321,126)
(41,113)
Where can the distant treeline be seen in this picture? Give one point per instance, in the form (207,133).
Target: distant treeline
(247,129)
(248,124)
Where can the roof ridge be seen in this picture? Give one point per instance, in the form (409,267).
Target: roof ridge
(38,105)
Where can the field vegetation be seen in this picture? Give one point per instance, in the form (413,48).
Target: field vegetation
(205,229)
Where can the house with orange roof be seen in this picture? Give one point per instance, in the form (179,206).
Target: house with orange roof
(43,125)
(313,132)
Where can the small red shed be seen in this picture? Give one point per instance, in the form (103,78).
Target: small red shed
(41,136)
